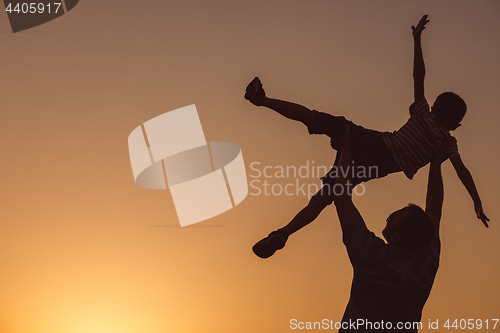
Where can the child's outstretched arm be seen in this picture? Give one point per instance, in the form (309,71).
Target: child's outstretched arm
(418,59)
(466,178)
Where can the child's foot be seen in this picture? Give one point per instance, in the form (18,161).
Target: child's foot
(254,92)
(272,243)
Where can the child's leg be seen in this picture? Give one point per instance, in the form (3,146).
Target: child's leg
(316,122)
(256,95)
(277,239)
(309,213)
(320,199)
(290,110)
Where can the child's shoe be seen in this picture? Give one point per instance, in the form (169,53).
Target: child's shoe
(272,243)
(254,92)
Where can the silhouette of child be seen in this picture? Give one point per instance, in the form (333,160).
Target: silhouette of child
(408,149)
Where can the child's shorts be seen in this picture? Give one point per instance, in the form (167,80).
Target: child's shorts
(370,156)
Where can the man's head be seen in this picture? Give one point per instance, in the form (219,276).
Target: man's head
(449,110)
(409,228)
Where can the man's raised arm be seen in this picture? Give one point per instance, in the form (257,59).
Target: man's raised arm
(418,59)
(435,191)
(343,185)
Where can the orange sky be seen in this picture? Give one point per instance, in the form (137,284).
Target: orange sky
(85,250)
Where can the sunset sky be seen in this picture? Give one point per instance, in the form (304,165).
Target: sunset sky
(83,249)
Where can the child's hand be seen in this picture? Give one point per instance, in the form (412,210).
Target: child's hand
(480,214)
(417,31)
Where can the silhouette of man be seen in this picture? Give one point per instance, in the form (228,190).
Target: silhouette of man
(392,280)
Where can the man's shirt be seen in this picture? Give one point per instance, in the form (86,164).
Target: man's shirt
(389,283)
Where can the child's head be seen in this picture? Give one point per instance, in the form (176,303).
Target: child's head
(449,110)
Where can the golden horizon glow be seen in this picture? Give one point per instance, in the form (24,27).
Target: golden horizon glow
(84,250)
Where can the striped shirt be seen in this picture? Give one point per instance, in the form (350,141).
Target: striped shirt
(389,284)
(414,144)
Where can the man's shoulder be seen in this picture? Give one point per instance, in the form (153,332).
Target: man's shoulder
(354,222)
(434,247)
(357,237)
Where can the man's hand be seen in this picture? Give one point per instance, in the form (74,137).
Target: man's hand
(417,31)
